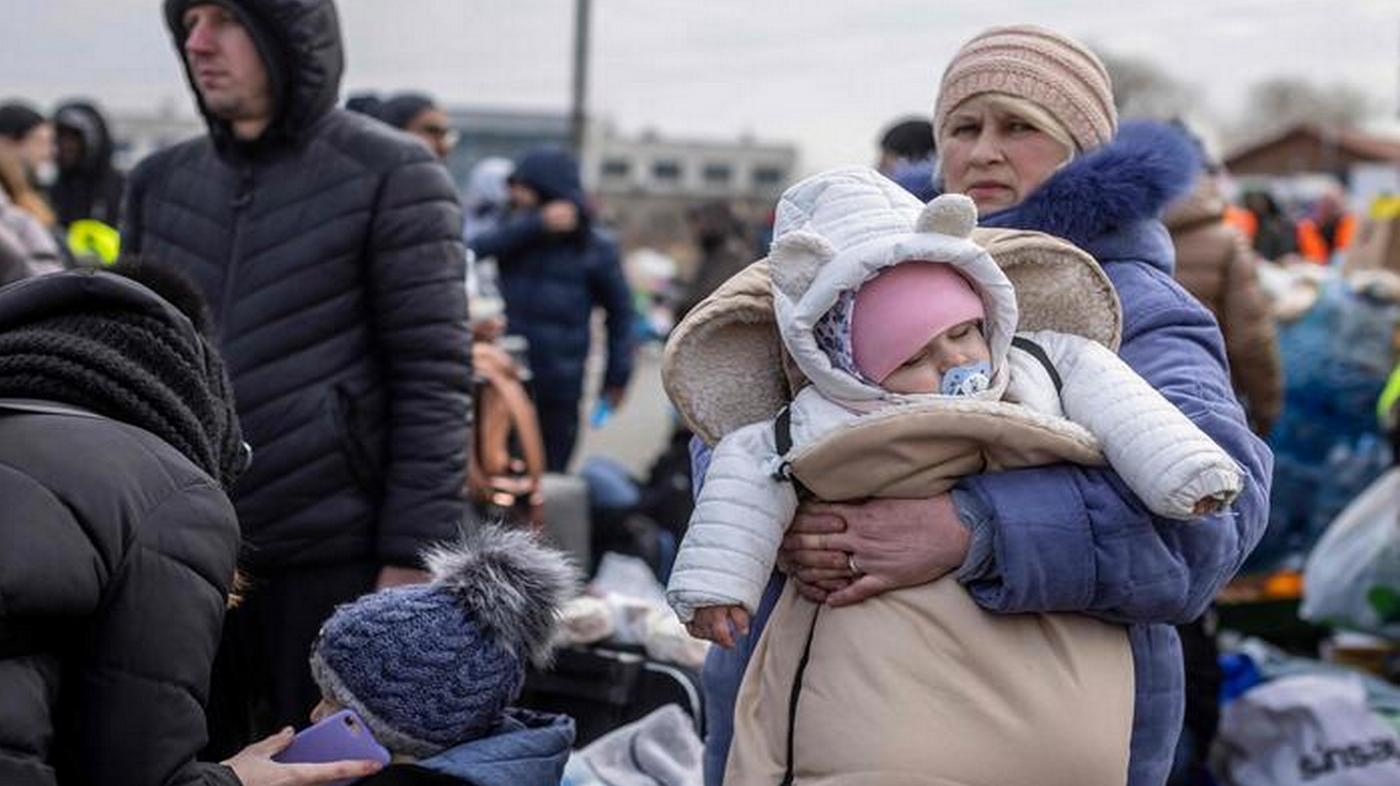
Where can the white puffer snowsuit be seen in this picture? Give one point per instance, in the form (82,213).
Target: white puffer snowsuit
(746,504)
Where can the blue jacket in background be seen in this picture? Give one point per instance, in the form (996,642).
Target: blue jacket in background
(551,283)
(526,749)
(1066,538)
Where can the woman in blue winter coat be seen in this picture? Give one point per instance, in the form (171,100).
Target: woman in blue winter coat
(1026,127)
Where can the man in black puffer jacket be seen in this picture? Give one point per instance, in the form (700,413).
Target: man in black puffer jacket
(117,543)
(329,246)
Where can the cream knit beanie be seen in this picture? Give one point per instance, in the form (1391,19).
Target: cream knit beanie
(1025,61)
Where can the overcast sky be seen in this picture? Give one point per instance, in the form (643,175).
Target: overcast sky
(824,74)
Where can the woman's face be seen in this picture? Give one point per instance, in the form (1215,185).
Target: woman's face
(995,156)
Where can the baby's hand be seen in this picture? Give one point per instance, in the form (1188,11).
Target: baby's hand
(1206,506)
(719,624)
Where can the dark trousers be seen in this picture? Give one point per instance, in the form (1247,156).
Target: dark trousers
(262,680)
(559,428)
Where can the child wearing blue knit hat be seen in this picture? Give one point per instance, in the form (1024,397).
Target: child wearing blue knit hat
(433,668)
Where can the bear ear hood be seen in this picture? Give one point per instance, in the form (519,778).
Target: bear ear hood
(795,260)
(954,215)
(741,354)
(837,230)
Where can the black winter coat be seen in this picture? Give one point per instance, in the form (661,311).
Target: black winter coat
(552,283)
(116,555)
(91,188)
(330,250)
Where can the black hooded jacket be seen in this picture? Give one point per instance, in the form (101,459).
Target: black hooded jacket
(116,548)
(330,250)
(91,188)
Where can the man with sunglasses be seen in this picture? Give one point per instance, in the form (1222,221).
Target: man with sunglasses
(419,115)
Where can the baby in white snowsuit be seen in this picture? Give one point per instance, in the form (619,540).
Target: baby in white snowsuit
(895,322)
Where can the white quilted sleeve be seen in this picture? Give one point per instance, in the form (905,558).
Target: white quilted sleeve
(1163,457)
(738,524)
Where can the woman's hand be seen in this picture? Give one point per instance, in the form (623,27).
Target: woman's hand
(843,554)
(254,766)
(721,624)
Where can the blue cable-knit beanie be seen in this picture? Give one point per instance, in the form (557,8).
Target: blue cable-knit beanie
(430,666)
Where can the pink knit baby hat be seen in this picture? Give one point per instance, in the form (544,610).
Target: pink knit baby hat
(900,310)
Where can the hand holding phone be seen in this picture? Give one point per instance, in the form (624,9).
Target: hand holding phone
(338,737)
(320,758)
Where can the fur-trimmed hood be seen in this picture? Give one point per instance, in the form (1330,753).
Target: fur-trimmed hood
(1109,201)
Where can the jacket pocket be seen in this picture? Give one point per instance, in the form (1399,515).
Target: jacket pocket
(364,467)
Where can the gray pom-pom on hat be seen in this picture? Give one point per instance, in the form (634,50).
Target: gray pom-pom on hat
(430,666)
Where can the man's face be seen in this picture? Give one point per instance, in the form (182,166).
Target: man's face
(435,129)
(70,148)
(228,72)
(887,163)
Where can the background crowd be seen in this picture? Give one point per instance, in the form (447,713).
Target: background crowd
(246,383)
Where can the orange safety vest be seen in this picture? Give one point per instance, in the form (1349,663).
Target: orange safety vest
(1242,219)
(1313,246)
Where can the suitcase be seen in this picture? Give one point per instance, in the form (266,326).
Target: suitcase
(603,687)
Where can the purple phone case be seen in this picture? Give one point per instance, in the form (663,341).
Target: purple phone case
(336,738)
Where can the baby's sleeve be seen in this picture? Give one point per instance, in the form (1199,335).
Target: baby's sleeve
(740,516)
(1163,457)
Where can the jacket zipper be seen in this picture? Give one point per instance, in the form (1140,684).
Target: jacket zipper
(790,772)
(242,199)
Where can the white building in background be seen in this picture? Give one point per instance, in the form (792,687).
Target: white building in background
(741,168)
(485,132)
(645,184)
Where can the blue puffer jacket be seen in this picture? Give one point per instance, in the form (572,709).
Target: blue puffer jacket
(1074,539)
(552,282)
(526,749)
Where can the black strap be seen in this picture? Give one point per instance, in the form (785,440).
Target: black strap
(796,693)
(782,430)
(782,440)
(1038,352)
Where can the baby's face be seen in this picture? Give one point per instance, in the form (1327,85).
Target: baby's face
(959,345)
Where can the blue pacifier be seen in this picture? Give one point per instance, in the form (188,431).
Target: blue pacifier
(967,380)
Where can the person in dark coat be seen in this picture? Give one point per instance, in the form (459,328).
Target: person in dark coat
(555,267)
(117,541)
(414,113)
(329,248)
(908,156)
(88,186)
(1275,235)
